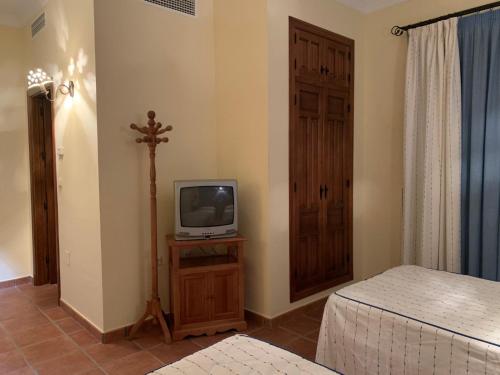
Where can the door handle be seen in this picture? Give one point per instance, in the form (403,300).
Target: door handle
(326,191)
(320,192)
(322,70)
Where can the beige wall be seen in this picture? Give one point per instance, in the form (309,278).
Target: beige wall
(148,58)
(65,50)
(16,251)
(345,21)
(242,139)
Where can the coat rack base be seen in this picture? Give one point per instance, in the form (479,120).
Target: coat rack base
(153,308)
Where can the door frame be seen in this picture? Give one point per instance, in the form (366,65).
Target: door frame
(32,95)
(293,24)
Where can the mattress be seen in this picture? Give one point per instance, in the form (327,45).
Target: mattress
(411,320)
(241,354)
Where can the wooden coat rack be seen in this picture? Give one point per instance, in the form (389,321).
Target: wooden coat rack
(152,139)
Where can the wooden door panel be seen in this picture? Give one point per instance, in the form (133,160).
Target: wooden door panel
(308,55)
(39,193)
(225,294)
(337,63)
(195,293)
(336,164)
(51,198)
(306,175)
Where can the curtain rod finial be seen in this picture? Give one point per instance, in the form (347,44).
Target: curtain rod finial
(397,31)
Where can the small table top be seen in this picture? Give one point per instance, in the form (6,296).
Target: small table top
(185,243)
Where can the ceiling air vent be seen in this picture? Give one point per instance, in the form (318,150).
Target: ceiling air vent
(38,25)
(184,6)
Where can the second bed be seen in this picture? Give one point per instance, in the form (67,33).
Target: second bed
(411,320)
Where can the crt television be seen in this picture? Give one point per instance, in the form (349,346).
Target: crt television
(206,209)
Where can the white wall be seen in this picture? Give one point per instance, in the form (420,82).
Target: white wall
(148,58)
(65,50)
(16,250)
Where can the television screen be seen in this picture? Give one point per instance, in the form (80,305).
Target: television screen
(206,206)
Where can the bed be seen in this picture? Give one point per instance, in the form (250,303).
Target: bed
(241,354)
(411,320)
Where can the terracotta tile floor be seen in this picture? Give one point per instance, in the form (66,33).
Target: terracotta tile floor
(38,337)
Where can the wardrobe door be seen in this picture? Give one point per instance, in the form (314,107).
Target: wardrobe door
(320,146)
(308,60)
(336,177)
(337,57)
(305,138)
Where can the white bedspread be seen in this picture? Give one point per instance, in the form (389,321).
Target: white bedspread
(411,320)
(241,354)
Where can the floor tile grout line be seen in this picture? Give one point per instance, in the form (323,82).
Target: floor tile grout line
(18,349)
(64,334)
(82,349)
(9,334)
(300,335)
(31,298)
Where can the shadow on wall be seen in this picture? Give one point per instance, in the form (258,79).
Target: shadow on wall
(249,208)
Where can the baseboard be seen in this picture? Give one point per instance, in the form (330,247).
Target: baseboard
(103,337)
(121,333)
(81,320)
(276,321)
(16,282)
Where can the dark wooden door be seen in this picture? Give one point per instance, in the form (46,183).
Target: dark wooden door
(309,55)
(321,151)
(225,296)
(337,64)
(337,155)
(43,191)
(195,296)
(306,207)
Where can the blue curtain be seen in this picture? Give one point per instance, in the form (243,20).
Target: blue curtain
(479,40)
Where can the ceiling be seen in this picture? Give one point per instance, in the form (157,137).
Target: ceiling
(19,13)
(368,6)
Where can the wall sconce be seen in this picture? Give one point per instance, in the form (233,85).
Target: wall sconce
(40,79)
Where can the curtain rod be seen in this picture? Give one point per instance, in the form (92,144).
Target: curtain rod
(400,30)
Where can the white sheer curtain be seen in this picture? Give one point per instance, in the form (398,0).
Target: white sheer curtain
(432,148)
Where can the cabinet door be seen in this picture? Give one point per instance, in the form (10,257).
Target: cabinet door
(225,295)
(336,157)
(305,190)
(194,295)
(308,55)
(337,62)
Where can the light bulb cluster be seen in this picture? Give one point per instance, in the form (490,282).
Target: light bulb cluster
(38,76)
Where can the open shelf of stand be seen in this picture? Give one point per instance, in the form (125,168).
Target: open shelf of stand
(205,261)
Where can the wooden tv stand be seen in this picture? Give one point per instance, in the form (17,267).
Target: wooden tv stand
(206,286)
